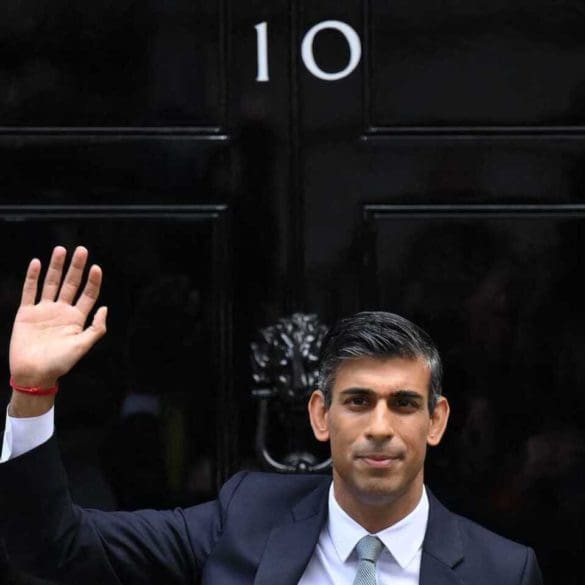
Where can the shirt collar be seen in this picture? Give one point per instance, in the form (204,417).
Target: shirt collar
(403,539)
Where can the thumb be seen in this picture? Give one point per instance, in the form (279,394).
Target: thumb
(96,330)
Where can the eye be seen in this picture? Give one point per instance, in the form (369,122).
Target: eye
(356,401)
(406,403)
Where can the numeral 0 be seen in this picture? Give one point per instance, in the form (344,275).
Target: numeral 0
(352,38)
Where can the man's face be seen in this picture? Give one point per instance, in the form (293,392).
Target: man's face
(379,426)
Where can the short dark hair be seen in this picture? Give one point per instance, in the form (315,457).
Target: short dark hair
(382,335)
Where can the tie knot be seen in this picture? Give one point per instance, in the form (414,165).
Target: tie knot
(369,548)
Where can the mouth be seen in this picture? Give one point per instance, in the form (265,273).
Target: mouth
(379,460)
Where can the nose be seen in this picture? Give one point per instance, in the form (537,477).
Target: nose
(380,424)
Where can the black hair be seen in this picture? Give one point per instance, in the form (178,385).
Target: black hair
(382,335)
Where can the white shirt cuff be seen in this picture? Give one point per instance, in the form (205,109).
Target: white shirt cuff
(24,434)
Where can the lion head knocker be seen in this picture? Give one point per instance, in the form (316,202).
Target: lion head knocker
(285,370)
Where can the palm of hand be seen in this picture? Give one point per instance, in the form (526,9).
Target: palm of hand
(45,338)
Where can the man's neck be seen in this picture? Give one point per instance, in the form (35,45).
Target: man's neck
(377,514)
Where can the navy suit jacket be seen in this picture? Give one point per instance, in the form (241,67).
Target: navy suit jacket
(261,530)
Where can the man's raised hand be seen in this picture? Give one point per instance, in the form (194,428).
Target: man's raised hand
(50,336)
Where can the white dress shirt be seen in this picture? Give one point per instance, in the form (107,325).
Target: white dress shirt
(24,434)
(335,560)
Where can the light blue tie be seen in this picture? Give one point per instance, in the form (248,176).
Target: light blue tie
(368,550)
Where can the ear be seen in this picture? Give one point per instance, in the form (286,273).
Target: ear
(439,420)
(318,414)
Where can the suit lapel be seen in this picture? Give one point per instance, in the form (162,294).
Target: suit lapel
(442,547)
(435,572)
(291,543)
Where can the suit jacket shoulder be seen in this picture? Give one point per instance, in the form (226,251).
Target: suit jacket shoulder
(464,552)
(245,490)
(270,526)
(252,503)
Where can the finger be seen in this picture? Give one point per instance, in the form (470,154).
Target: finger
(74,275)
(96,330)
(31,280)
(54,272)
(91,291)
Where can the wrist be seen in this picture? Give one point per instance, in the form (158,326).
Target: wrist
(33,381)
(34,390)
(27,406)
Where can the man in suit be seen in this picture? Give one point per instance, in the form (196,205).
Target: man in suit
(379,405)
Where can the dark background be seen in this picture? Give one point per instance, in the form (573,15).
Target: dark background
(442,180)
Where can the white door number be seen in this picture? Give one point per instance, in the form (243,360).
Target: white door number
(352,38)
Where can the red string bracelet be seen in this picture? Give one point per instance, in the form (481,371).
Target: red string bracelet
(34,390)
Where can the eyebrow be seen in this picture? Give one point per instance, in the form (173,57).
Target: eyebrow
(400,393)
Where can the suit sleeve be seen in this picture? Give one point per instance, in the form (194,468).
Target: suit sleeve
(48,536)
(531,574)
